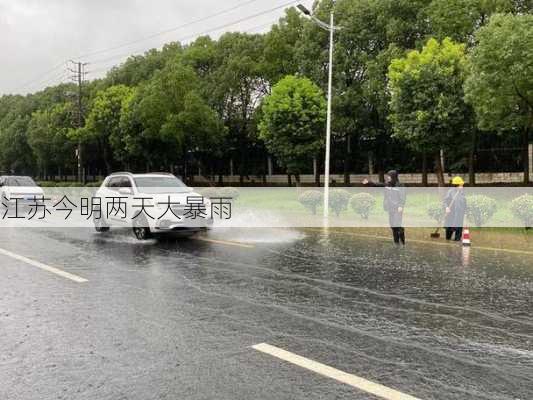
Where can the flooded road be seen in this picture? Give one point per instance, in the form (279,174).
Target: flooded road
(178,319)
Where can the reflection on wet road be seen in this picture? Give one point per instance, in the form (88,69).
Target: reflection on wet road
(177,319)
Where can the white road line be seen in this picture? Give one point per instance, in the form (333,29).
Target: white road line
(226,243)
(44,267)
(330,372)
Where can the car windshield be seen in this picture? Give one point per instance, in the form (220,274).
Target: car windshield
(160,184)
(21,181)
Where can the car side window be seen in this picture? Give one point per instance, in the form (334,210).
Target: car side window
(114,183)
(125,183)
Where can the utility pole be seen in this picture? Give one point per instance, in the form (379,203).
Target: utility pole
(78,77)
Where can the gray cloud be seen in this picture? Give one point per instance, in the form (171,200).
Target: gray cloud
(37,35)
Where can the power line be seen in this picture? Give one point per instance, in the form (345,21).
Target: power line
(164,32)
(205,32)
(40,77)
(44,75)
(249,30)
(51,81)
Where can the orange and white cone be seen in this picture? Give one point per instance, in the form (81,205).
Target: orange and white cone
(466,237)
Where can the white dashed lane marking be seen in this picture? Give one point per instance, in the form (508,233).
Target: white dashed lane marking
(355,381)
(44,267)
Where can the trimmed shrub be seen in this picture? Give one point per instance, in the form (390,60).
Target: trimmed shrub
(362,204)
(338,200)
(522,208)
(311,199)
(480,209)
(228,192)
(437,212)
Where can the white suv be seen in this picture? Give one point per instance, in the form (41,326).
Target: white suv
(18,191)
(155,203)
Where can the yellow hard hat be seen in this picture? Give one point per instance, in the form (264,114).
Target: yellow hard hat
(458,181)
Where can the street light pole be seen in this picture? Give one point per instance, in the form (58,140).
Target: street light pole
(328,123)
(331,29)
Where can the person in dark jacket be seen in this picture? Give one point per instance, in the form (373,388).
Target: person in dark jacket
(455,204)
(393,203)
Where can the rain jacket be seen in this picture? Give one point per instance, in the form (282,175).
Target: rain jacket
(394,198)
(455,199)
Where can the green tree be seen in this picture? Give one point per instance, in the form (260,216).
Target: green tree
(140,68)
(15,155)
(281,47)
(428,110)
(239,85)
(15,114)
(292,124)
(500,83)
(167,119)
(373,32)
(103,122)
(459,19)
(48,137)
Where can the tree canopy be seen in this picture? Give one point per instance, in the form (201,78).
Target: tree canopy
(292,123)
(428,110)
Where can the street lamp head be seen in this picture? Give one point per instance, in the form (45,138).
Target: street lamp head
(303,9)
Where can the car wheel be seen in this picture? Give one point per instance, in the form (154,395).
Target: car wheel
(100,225)
(141,230)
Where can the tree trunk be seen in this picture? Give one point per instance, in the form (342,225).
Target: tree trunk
(241,168)
(424,169)
(347,160)
(381,174)
(370,163)
(297,179)
(439,170)
(525,150)
(289,179)
(472,160)
(107,163)
(380,167)
(316,171)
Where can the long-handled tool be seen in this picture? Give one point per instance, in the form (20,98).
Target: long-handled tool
(436,234)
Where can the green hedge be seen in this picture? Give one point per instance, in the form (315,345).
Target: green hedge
(480,209)
(522,208)
(311,200)
(362,204)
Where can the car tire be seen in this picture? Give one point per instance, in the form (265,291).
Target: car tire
(141,230)
(100,225)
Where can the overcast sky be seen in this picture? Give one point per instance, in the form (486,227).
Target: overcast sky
(38,35)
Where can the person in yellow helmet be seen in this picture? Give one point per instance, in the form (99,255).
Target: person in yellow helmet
(455,205)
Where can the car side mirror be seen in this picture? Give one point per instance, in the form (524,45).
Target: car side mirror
(125,191)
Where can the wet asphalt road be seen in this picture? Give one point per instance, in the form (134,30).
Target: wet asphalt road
(177,319)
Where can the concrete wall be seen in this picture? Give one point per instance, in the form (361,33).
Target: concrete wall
(481,178)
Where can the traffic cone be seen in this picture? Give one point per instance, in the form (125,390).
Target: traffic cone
(466,237)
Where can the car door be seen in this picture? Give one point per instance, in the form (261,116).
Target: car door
(125,185)
(111,202)
(2,183)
